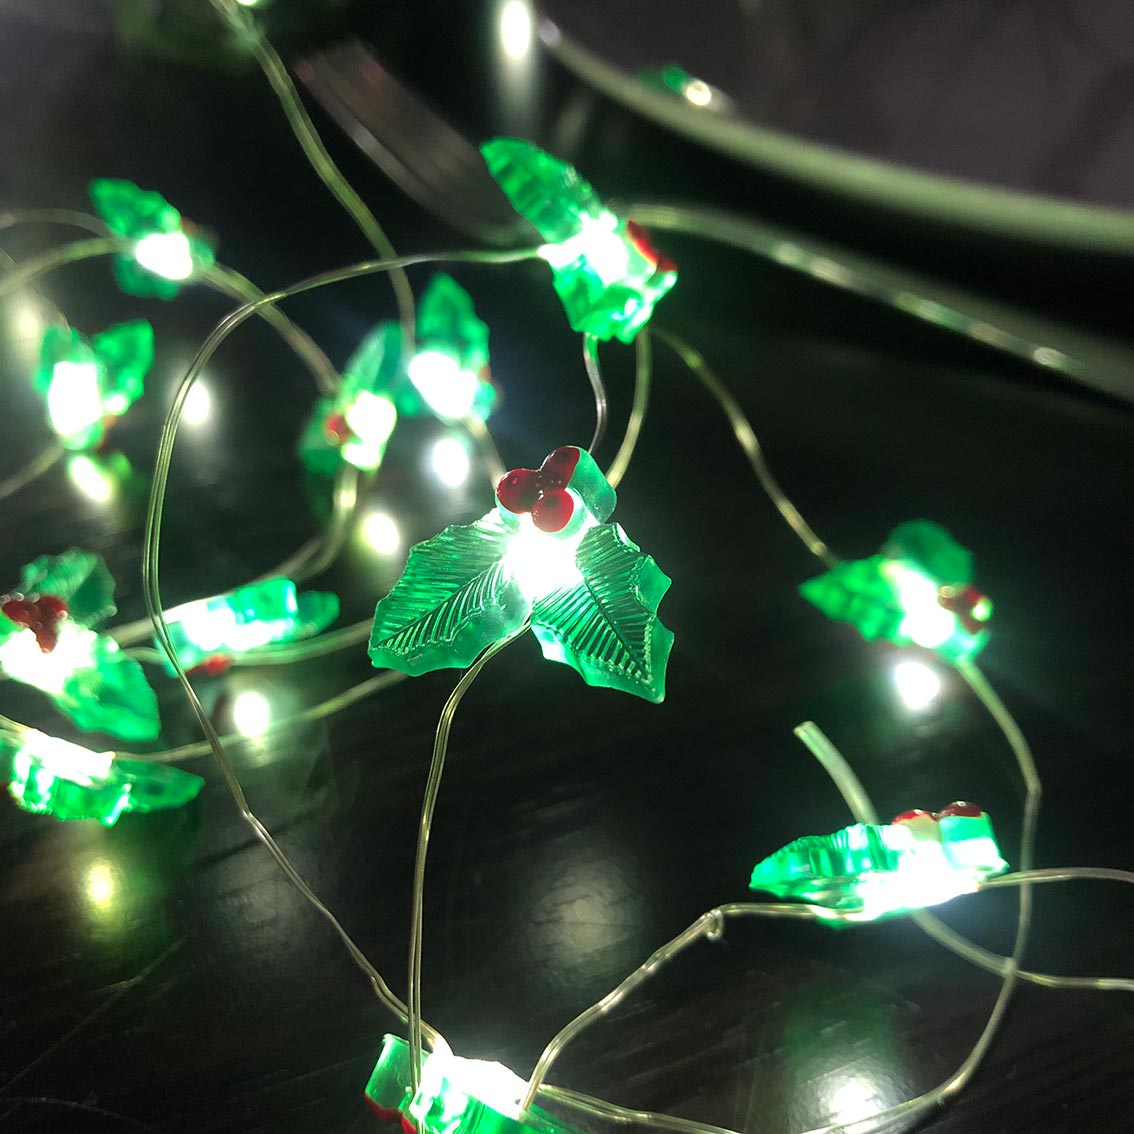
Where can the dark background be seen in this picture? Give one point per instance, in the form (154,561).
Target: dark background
(162,975)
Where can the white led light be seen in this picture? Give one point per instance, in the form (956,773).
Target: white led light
(926,622)
(516,29)
(381,533)
(918,684)
(450,461)
(448,390)
(542,563)
(698,93)
(22,659)
(198,405)
(73,400)
(166,254)
(598,242)
(251,713)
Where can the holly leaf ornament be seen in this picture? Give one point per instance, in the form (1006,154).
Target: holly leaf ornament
(917,591)
(546,554)
(606,272)
(166,250)
(47,640)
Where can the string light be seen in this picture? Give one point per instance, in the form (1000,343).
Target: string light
(380,531)
(54,777)
(449,460)
(251,713)
(248,618)
(88,383)
(546,555)
(918,685)
(166,251)
(867,871)
(605,270)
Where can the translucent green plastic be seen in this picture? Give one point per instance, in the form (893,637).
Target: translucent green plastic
(49,776)
(138,215)
(454,1096)
(88,383)
(606,273)
(86,674)
(260,614)
(910,593)
(876,870)
(590,592)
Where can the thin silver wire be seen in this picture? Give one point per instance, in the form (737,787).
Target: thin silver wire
(643,372)
(598,386)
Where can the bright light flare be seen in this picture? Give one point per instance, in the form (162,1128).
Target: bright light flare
(381,533)
(92,481)
(198,406)
(166,254)
(450,462)
(74,403)
(918,684)
(448,390)
(251,713)
(516,29)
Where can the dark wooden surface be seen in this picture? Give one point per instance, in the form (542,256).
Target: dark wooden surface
(163,976)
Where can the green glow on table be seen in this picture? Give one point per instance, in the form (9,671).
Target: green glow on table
(917,591)
(261,614)
(49,776)
(590,592)
(88,383)
(454,1095)
(167,250)
(605,271)
(867,871)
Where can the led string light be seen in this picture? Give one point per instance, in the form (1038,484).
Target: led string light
(446,1092)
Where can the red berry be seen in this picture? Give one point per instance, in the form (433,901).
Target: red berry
(962,601)
(383,1112)
(910,816)
(558,467)
(960,808)
(407,1126)
(42,616)
(553,509)
(213,666)
(518,489)
(336,429)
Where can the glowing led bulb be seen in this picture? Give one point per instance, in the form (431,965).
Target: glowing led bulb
(198,406)
(50,776)
(516,28)
(450,462)
(251,713)
(166,254)
(448,390)
(918,685)
(381,532)
(867,871)
(605,270)
(102,884)
(91,480)
(74,404)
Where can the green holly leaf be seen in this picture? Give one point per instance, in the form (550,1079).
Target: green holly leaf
(127,353)
(110,695)
(59,344)
(858,592)
(933,550)
(315,611)
(592,486)
(545,190)
(606,626)
(455,598)
(80,578)
(447,320)
(375,367)
(130,212)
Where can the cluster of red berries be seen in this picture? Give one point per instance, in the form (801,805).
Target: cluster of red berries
(336,430)
(962,601)
(543,491)
(958,809)
(41,615)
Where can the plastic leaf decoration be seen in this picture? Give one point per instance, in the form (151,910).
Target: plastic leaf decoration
(167,250)
(454,1095)
(449,370)
(261,614)
(867,871)
(917,591)
(604,268)
(47,640)
(447,376)
(88,383)
(49,776)
(545,554)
